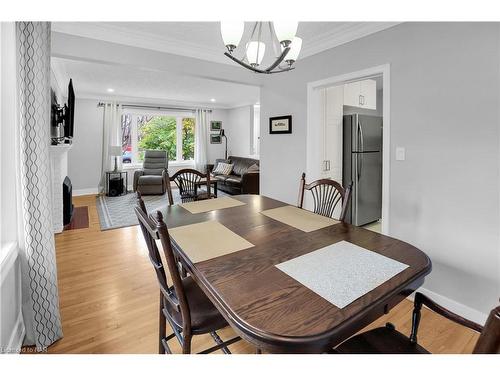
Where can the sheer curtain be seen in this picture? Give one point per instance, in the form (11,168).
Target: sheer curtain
(111,136)
(201,139)
(35,236)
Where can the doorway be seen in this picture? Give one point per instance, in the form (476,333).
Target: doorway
(364,96)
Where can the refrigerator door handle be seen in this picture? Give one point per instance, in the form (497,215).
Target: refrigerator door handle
(360,133)
(359,164)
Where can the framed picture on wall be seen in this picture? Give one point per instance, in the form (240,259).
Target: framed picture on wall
(215,125)
(280,125)
(215,138)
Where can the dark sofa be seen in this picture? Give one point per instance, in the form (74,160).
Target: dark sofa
(241,180)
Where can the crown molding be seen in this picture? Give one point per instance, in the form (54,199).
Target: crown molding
(135,38)
(116,34)
(345,34)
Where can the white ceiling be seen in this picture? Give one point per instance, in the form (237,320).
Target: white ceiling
(91,80)
(201,40)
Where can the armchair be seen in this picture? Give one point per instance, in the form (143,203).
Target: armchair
(153,177)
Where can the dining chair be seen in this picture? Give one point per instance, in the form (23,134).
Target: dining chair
(188,181)
(387,340)
(327,194)
(182,304)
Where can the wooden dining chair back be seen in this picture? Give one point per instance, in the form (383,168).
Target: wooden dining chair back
(387,340)
(188,182)
(489,339)
(327,195)
(176,299)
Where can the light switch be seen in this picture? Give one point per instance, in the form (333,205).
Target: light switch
(400,153)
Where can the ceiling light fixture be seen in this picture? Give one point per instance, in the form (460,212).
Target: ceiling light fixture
(111,90)
(212,100)
(286,46)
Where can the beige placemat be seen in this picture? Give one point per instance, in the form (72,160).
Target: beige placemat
(211,204)
(299,218)
(207,240)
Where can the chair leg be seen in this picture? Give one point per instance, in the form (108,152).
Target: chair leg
(415,319)
(162,328)
(186,345)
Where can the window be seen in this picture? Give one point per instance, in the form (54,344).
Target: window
(169,132)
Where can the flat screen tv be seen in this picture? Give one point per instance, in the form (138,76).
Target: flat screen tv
(69,112)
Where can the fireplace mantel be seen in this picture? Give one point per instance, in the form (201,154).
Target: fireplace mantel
(58,171)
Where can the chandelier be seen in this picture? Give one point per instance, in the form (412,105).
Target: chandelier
(286,46)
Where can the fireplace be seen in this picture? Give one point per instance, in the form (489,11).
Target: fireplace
(67,201)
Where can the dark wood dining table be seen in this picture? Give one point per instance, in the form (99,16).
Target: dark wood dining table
(270,309)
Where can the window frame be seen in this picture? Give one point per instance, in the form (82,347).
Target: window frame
(134,132)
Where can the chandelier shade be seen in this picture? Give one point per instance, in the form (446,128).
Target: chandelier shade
(281,37)
(285,31)
(255,52)
(294,52)
(231,32)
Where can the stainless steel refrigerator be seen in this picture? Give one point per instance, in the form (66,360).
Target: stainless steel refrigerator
(362,164)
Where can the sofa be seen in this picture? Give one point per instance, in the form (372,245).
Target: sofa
(241,180)
(153,177)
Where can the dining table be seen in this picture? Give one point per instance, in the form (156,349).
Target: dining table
(274,311)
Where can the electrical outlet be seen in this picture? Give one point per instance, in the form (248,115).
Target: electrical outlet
(400,153)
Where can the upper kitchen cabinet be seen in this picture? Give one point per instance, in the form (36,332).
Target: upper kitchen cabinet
(362,94)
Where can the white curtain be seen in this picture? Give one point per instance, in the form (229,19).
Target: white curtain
(36,239)
(111,136)
(201,139)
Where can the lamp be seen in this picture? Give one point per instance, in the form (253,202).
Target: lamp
(279,35)
(285,31)
(115,151)
(295,47)
(223,135)
(255,53)
(232,31)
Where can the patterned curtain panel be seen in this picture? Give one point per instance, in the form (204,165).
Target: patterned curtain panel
(40,294)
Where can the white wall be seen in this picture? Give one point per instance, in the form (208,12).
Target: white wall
(444,198)
(239,130)
(84,159)
(11,323)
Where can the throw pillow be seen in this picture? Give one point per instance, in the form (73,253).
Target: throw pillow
(223,168)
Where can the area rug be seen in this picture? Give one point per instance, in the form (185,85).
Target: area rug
(118,212)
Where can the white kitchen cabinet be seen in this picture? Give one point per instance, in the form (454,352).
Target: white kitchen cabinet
(352,91)
(331,133)
(361,94)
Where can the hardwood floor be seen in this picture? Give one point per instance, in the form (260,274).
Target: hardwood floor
(109,298)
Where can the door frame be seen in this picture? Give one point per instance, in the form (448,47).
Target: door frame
(313,124)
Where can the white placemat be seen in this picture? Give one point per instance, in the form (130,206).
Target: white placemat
(342,272)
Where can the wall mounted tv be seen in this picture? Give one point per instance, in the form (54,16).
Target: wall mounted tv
(62,118)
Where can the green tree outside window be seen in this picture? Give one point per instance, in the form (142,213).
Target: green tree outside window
(160,133)
(188,138)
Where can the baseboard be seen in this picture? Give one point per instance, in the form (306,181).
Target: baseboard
(90,191)
(454,306)
(17,336)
